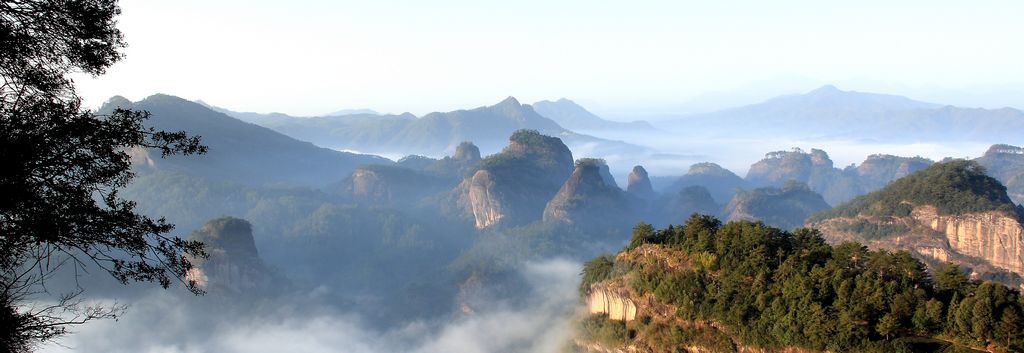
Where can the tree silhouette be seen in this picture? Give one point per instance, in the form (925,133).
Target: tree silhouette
(62,169)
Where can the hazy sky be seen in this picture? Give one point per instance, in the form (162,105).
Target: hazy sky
(313,57)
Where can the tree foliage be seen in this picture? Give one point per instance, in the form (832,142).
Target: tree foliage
(770,288)
(63,167)
(954,187)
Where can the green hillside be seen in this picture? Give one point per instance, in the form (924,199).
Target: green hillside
(747,285)
(954,187)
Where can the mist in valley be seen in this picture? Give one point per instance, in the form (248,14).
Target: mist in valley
(568,177)
(171,321)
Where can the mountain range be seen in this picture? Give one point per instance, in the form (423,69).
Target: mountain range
(574,117)
(239,151)
(830,113)
(438,133)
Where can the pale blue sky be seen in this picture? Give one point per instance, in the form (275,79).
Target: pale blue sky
(313,57)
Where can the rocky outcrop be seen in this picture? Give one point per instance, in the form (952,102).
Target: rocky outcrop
(675,208)
(817,170)
(392,185)
(720,182)
(484,200)
(879,169)
(234,265)
(639,184)
(606,175)
(985,242)
(781,166)
(814,169)
(950,211)
(605,301)
(785,208)
(467,152)
(368,183)
(1006,163)
(513,187)
(450,169)
(614,299)
(993,236)
(586,196)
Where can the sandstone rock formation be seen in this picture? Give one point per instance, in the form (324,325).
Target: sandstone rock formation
(781,166)
(814,169)
(996,237)
(879,169)
(618,306)
(467,152)
(513,186)
(951,211)
(677,207)
(392,185)
(485,200)
(450,168)
(785,208)
(639,184)
(586,196)
(1006,163)
(234,265)
(606,175)
(818,172)
(986,242)
(721,182)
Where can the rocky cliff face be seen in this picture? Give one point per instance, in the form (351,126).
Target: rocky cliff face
(234,265)
(614,299)
(950,211)
(639,184)
(721,182)
(607,301)
(985,242)
(781,166)
(879,169)
(450,169)
(837,186)
(993,236)
(467,152)
(392,185)
(785,208)
(368,183)
(814,169)
(485,200)
(587,196)
(675,208)
(606,176)
(513,187)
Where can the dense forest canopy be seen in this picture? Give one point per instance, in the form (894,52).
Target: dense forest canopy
(759,286)
(954,187)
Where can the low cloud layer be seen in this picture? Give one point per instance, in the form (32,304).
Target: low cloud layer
(166,323)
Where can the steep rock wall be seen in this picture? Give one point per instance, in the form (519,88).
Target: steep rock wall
(234,264)
(366,183)
(992,236)
(983,241)
(484,200)
(603,300)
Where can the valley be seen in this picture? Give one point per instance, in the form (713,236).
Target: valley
(453,234)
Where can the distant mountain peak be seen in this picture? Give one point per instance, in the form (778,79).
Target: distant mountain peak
(115,102)
(510,101)
(1003,149)
(572,116)
(826,89)
(344,112)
